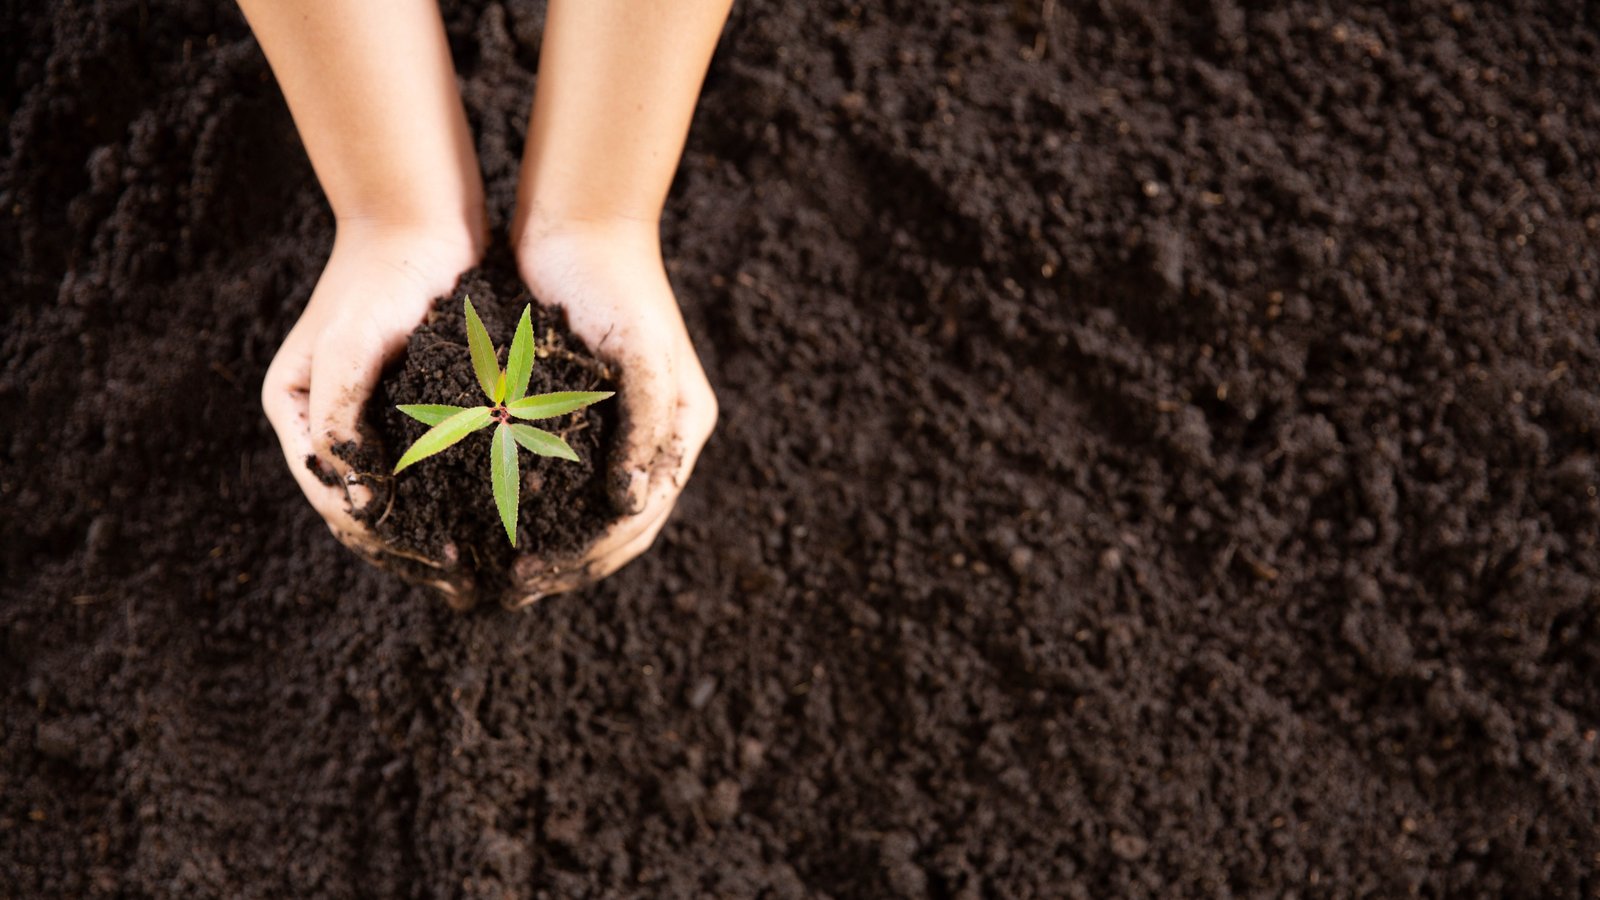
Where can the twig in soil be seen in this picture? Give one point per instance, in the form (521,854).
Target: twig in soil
(1225,559)
(1518,194)
(1260,568)
(387,508)
(370,478)
(553,348)
(227,376)
(1041,38)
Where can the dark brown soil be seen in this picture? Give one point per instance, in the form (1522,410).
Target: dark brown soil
(1158,459)
(443,507)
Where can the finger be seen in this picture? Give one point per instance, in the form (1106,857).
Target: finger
(630,537)
(285,399)
(603,567)
(561,582)
(547,585)
(692,425)
(330,502)
(663,493)
(634,536)
(459,588)
(458,598)
(534,575)
(344,372)
(648,398)
(696,419)
(537,578)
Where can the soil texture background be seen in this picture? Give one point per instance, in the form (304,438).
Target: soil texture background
(1158,459)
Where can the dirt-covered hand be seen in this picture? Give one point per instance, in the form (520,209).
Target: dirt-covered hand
(377,287)
(611,282)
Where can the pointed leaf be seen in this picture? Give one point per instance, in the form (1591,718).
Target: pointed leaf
(444,434)
(507,481)
(429,413)
(542,442)
(484,363)
(543,406)
(519,360)
(499,387)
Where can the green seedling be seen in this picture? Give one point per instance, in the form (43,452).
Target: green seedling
(507,391)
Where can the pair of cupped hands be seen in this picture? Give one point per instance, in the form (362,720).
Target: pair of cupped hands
(379,284)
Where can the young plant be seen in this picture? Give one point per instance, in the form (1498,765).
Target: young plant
(507,391)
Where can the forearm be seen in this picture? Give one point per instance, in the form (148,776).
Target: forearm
(373,94)
(618,80)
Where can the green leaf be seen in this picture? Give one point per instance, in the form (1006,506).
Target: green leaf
(499,387)
(507,482)
(445,434)
(542,442)
(484,364)
(544,406)
(429,413)
(519,360)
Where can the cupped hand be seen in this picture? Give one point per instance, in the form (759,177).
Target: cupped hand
(610,281)
(378,285)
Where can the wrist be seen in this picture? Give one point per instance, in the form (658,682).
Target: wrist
(541,229)
(565,260)
(454,217)
(452,241)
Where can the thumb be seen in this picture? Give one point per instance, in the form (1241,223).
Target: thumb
(343,377)
(648,403)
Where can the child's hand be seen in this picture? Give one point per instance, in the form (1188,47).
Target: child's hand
(610,281)
(377,287)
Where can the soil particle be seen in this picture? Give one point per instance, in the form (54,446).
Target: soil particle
(905,877)
(1129,847)
(723,802)
(702,692)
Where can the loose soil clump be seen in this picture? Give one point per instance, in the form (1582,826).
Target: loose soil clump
(443,507)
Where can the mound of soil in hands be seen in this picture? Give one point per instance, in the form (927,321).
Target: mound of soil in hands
(1157,459)
(443,507)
